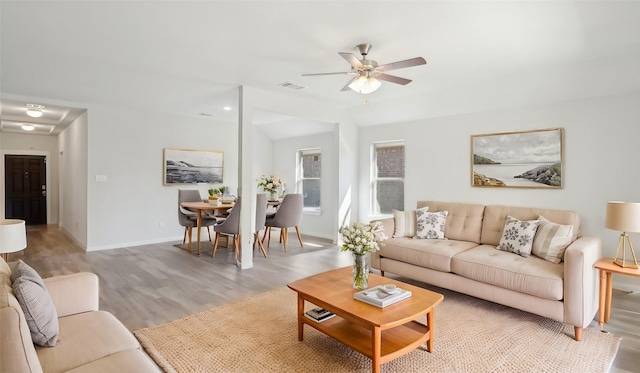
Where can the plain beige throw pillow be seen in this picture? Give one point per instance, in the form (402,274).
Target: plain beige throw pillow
(551,240)
(405,222)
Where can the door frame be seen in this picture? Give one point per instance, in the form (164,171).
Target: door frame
(47,158)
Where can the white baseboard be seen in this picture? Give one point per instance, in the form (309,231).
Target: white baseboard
(135,243)
(626,283)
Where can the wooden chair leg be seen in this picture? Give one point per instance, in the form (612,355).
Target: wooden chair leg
(299,238)
(236,244)
(260,244)
(215,245)
(266,229)
(269,239)
(284,232)
(190,231)
(184,239)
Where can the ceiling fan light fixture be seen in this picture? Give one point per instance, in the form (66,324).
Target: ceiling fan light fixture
(365,85)
(28,127)
(33,113)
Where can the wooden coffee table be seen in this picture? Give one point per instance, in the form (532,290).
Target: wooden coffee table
(382,334)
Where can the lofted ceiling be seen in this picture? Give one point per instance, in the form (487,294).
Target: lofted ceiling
(185,57)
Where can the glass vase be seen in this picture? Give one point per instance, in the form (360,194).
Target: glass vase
(360,272)
(273,195)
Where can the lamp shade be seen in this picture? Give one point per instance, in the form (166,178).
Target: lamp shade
(13,236)
(623,216)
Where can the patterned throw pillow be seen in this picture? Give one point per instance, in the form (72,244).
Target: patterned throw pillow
(517,236)
(37,305)
(430,224)
(551,240)
(405,222)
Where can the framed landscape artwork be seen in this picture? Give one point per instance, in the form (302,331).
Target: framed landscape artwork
(184,166)
(527,159)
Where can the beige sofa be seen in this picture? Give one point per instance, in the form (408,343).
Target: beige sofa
(467,261)
(89,341)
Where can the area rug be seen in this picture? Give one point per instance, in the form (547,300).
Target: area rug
(259,334)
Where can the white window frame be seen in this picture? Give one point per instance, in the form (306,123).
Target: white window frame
(374,207)
(300,177)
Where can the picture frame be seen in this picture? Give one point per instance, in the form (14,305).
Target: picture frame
(188,166)
(523,159)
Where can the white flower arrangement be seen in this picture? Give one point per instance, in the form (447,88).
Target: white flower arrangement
(361,238)
(271,183)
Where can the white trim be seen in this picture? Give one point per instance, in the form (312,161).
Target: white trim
(47,157)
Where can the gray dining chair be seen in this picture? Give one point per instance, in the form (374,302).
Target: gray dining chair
(230,226)
(189,219)
(289,214)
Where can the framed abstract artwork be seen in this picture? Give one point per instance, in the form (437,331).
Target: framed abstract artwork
(526,159)
(185,166)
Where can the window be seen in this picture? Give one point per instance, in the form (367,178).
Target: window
(387,181)
(309,177)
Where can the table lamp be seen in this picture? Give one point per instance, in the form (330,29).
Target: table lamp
(13,237)
(625,217)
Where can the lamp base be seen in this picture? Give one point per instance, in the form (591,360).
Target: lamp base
(621,259)
(626,263)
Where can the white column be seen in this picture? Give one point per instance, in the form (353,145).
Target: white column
(246,186)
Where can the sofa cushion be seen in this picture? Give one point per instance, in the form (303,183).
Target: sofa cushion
(405,223)
(84,338)
(430,224)
(430,253)
(533,276)
(551,240)
(132,360)
(495,217)
(464,220)
(517,236)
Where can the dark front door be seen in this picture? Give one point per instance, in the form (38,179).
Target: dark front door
(25,188)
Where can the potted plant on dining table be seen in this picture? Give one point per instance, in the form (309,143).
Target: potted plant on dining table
(214,196)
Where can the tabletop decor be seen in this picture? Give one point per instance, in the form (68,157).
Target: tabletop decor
(360,239)
(271,185)
(13,237)
(624,217)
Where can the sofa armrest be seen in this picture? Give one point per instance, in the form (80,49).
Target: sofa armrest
(581,281)
(75,293)
(388,226)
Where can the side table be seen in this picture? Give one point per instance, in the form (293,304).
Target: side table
(607,268)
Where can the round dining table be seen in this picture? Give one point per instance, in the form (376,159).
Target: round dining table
(204,206)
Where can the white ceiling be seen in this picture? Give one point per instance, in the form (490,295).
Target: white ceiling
(188,57)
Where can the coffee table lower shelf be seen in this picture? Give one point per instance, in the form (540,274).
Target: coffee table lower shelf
(394,342)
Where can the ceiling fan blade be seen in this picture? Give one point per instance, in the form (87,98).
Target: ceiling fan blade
(392,79)
(402,64)
(346,87)
(336,73)
(352,59)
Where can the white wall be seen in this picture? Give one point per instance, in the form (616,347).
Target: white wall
(72,144)
(284,165)
(23,144)
(600,148)
(133,207)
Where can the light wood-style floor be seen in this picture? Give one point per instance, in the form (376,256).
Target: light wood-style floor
(154,284)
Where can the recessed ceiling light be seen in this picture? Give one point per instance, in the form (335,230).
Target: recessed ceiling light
(226,108)
(28,127)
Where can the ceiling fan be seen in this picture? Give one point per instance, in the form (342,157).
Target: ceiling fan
(369,73)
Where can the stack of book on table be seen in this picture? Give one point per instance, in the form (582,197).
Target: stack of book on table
(381,296)
(319,314)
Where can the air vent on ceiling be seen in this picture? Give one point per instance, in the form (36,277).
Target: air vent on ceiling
(291,85)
